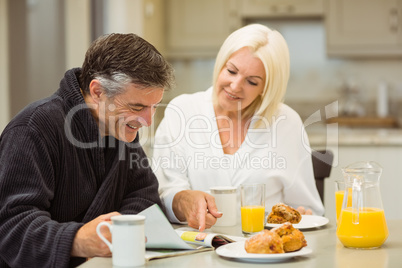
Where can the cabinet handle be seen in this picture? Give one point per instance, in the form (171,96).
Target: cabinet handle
(290,8)
(393,20)
(282,9)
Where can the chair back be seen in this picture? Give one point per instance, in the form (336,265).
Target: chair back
(322,165)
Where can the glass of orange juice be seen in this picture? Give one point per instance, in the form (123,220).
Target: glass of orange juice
(339,196)
(252,208)
(339,193)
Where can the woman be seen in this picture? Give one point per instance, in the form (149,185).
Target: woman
(238,131)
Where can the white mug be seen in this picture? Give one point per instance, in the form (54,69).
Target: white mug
(128,240)
(226,202)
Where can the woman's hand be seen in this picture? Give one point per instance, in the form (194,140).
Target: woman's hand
(197,208)
(303,211)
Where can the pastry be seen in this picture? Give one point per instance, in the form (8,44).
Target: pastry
(282,213)
(265,242)
(292,238)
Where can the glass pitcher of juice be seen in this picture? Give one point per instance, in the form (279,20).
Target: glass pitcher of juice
(362,223)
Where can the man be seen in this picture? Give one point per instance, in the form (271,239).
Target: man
(65,160)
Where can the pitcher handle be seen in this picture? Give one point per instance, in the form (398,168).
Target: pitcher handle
(357,199)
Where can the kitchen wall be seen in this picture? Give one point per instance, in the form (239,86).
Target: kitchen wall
(39,41)
(46,61)
(316,79)
(36,50)
(51,46)
(4,81)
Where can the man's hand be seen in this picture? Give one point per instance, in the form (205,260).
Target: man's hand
(87,242)
(197,208)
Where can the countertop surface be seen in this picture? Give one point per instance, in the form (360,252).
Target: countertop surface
(350,136)
(327,252)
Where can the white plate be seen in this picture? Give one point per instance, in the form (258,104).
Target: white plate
(307,222)
(236,250)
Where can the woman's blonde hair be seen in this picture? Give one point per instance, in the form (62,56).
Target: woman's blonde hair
(271,48)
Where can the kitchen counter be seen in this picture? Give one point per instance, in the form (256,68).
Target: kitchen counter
(327,252)
(347,136)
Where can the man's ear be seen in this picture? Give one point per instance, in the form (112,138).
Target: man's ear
(95,90)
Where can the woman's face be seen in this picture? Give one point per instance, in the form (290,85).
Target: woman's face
(240,81)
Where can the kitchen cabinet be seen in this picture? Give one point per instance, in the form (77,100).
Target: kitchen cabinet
(153,22)
(364,28)
(198,28)
(144,18)
(281,8)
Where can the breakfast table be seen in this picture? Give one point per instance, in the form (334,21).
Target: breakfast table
(327,251)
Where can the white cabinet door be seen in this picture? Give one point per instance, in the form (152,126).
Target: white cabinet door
(281,8)
(154,19)
(142,17)
(364,27)
(198,28)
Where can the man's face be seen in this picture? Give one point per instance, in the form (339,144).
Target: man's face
(123,115)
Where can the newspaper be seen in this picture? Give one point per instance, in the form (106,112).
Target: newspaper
(165,241)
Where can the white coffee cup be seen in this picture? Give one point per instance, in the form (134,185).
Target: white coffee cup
(226,202)
(128,240)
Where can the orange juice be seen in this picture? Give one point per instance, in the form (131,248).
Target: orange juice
(370,232)
(252,218)
(339,200)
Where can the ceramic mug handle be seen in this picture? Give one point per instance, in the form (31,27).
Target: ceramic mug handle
(108,225)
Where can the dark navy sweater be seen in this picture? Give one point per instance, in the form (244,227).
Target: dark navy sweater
(56,174)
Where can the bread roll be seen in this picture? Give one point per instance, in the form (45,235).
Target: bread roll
(265,242)
(282,213)
(292,238)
